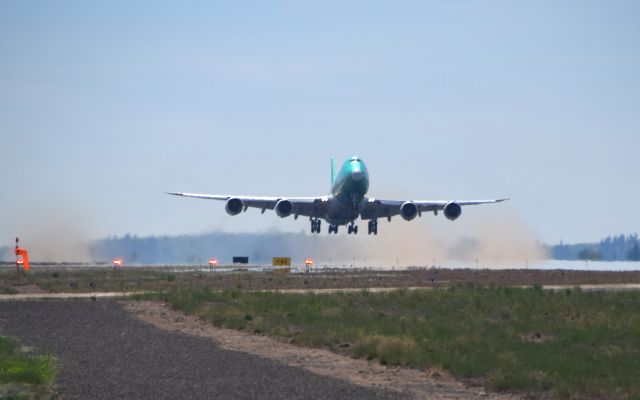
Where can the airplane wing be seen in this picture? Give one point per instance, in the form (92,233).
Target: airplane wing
(380,208)
(305,206)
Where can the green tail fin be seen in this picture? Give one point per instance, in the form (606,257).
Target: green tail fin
(333,173)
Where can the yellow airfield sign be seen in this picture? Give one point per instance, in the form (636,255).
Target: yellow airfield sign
(281,261)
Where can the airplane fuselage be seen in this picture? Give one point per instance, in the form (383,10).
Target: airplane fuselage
(348,192)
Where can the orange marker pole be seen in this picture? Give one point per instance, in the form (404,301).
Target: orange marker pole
(24,258)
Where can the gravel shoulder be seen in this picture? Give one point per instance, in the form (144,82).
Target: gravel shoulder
(106,353)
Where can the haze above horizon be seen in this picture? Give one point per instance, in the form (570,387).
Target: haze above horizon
(106,106)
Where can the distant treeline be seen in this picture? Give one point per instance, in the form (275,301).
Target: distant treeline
(612,248)
(262,247)
(197,249)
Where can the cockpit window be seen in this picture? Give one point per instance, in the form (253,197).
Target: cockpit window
(355,158)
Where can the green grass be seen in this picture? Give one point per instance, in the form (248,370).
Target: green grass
(7,290)
(567,344)
(22,375)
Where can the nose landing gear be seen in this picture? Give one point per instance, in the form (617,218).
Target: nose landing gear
(333,228)
(352,228)
(373,227)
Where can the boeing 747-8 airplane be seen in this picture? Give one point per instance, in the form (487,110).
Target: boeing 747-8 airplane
(346,203)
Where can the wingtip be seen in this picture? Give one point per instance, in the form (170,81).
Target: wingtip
(505,199)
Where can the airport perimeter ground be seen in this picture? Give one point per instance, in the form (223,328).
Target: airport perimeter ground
(329,345)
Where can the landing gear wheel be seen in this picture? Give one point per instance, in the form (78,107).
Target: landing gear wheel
(352,228)
(315,225)
(333,228)
(373,227)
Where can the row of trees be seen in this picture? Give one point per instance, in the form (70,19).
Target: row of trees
(611,248)
(197,249)
(260,248)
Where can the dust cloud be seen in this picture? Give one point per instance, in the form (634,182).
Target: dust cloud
(399,243)
(54,235)
(491,235)
(481,238)
(484,236)
(497,238)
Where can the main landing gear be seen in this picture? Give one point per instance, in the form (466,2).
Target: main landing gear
(373,227)
(315,225)
(352,228)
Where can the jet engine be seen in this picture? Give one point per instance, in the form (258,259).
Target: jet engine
(283,208)
(234,206)
(452,210)
(408,210)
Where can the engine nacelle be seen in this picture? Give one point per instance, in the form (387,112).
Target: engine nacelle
(408,210)
(452,210)
(234,206)
(283,208)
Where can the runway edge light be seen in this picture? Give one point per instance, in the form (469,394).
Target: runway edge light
(308,263)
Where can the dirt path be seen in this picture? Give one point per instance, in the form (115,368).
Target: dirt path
(417,384)
(42,296)
(62,296)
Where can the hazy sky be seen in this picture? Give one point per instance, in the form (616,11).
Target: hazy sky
(104,106)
